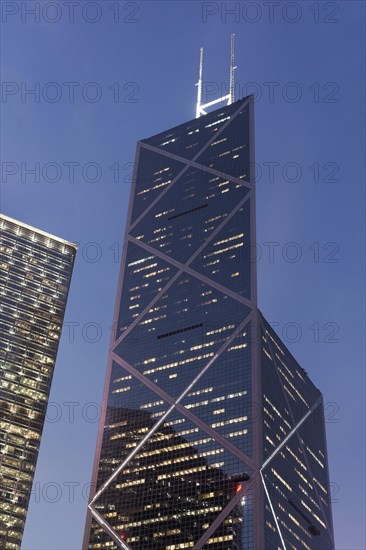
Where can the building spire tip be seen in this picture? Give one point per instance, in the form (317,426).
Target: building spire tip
(230,97)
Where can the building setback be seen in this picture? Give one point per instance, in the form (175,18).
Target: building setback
(212,435)
(35,273)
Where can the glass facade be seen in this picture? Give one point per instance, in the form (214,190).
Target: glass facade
(295,468)
(184,452)
(35,273)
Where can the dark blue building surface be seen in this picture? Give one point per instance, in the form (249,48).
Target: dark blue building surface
(212,436)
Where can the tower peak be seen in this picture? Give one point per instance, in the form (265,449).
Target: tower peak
(230,97)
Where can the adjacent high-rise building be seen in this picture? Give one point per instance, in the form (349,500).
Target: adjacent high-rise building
(35,273)
(212,435)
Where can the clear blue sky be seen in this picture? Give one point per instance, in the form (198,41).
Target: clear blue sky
(316,140)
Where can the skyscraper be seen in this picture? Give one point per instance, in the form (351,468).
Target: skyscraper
(35,276)
(212,435)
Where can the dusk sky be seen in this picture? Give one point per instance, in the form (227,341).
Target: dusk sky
(109,73)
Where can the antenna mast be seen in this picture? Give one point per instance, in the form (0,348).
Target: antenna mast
(232,68)
(229,98)
(199,84)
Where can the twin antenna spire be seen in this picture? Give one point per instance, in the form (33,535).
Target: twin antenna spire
(229,98)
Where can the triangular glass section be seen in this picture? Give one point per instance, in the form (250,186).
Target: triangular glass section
(175,340)
(313,438)
(127,395)
(291,491)
(222,398)
(174,488)
(230,152)
(144,276)
(277,422)
(186,140)
(186,215)
(155,172)
(132,410)
(300,392)
(226,259)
